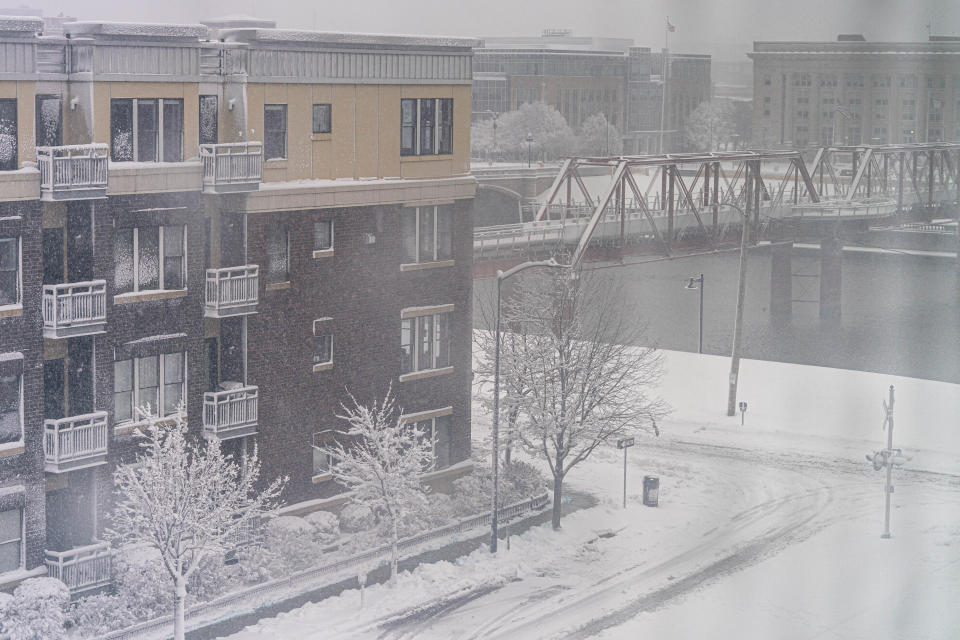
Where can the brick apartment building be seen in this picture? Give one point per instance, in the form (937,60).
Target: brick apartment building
(250,220)
(854,91)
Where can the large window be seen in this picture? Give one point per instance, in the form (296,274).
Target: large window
(275,131)
(425,342)
(150,258)
(9,271)
(322,342)
(8,134)
(278,254)
(157,381)
(11,401)
(323,235)
(208,120)
(48,120)
(438,430)
(11,540)
(322,121)
(426,126)
(427,233)
(322,461)
(146,130)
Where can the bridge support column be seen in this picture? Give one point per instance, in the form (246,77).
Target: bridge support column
(831,262)
(781,284)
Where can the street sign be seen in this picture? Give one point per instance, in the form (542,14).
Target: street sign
(623,443)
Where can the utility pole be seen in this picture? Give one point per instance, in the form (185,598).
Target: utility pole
(888,488)
(741,292)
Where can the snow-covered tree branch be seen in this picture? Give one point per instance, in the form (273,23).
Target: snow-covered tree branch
(382,463)
(187,500)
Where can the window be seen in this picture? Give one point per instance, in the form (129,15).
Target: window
(908,81)
(146,130)
(157,381)
(936,82)
(322,342)
(880,81)
(209,129)
(149,258)
(48,120)
(11,400)
(323,235)
(438,430)
(278,254)
(9,271)
(275,131)
(427,233)
(321,118)
(11,538)
(8,134)
(425,342)
(322,461)
(426,126)
(909,135)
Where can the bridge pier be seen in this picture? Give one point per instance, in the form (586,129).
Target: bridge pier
(781,284)
(831,263)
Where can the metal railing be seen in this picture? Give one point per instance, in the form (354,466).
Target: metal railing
(74,305)
(224,411)
(316,577)
(73,169)
(82,568)
(232,289)
(71,442)
(233,163)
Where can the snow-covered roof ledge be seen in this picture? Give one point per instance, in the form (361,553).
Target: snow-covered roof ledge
(272,36)
(138,30)
(20,25)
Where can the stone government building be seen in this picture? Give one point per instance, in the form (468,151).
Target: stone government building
(854,91)
(249,220)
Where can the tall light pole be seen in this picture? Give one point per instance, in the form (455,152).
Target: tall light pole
(501,276)
(741,292)
(697,283)
(529,148)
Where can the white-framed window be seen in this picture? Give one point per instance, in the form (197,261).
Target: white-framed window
(11,406)
(322,342)
(274,131)
(322,461)
(8,134)
(158,380)
(10,285)
(425,342)
(427,233)
(323,235)
(150,258)
(11,539)
(322,118)
(426,126)
(146,129)
(438,431)
(278,254)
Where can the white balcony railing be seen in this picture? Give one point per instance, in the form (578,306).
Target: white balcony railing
(82,568)
(74,308)
(75,442)
(231,413)
(232,291)
(232,167)
(73,172)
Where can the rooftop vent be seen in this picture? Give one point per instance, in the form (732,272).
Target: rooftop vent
(851,37)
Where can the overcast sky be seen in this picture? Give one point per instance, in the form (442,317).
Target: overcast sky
(702,25)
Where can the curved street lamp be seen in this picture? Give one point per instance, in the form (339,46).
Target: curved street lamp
(697,283)
(529,148)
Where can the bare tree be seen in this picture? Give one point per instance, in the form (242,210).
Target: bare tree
(707,127)
(382,464)
(584,380)
(188,501)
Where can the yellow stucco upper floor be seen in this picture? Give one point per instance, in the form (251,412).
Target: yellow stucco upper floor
(325,105)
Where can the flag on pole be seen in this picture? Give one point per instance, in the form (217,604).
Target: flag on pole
(670,27)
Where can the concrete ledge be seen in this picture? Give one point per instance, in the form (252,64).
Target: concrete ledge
(154,177)
(11,311)
(147,296)
(20,185)
(419,266)
(422,375)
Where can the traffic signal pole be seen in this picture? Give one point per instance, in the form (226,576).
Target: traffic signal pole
(888,487)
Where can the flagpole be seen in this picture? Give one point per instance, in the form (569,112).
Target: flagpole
(663,79)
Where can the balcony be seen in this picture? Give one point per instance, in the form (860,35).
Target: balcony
(232,291)
(232,167)
(73,172)
(82,568)
(74,309)
(231,413)
(75,443)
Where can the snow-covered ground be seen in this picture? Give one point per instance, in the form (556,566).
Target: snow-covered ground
(770,530)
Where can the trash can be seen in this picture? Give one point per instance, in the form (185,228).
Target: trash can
(651,490)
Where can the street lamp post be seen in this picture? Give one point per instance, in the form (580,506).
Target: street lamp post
(697,283)
(738,319)
(529,148)
(501,276)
